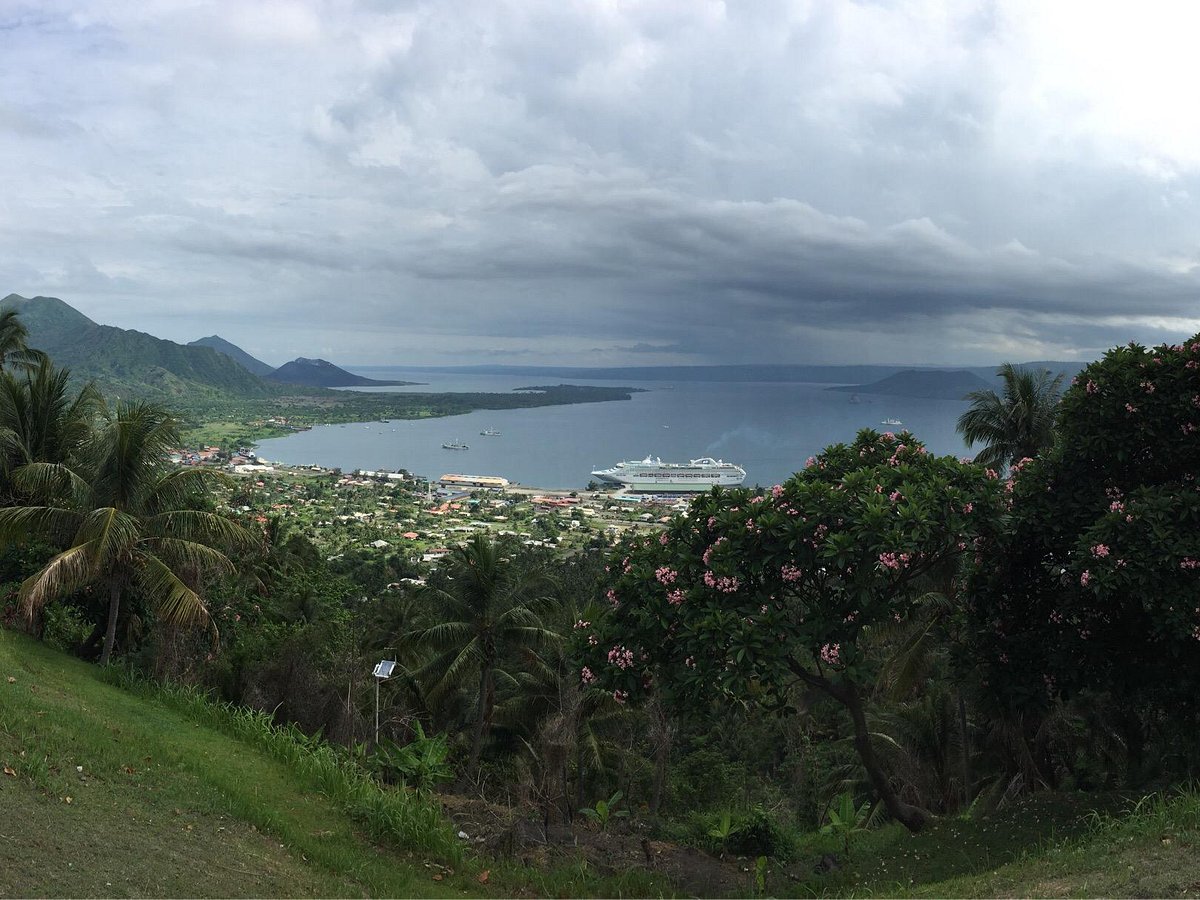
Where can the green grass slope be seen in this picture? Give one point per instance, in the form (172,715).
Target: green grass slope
(106,793)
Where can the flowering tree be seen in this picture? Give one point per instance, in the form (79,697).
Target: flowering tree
(750,594)
(1096,582)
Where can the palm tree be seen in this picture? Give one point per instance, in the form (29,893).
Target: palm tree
(1017,423)
(129,520)
(491,604)
(41,420)
(13,335)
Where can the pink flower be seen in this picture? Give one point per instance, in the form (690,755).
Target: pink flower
(1116,506)
(991,473)
(1100,551)
(621,696)
(1189,563)
(1091,387)
(586,676)
(620,657)
(663,539)
(894,561)
(665,575)
(968,508)
(777,491)
(1086,578)
(676,597)
(1130,408)
(612,597)
(810,461)
(831,654)
(582,624)
(895,496)
(790,573)
(1148,387)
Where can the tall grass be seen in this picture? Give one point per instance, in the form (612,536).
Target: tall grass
(395,815)
(1175,811)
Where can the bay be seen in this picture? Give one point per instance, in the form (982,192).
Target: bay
(767,428)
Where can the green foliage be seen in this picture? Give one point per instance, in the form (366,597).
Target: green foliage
(421,763)
(1016,424)
(751,589)
(1094,585)
(846,820)
(606,810)
(405,817)
(759,833)
(723,829)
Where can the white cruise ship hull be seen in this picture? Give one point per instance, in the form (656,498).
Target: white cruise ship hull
(653,475)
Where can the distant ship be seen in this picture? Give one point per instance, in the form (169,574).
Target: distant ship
(455,445)
(891,422)
(490,432)
(655,475)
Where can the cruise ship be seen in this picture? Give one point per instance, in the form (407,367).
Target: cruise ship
(655,475)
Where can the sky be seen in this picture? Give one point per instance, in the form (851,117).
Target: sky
(608,182)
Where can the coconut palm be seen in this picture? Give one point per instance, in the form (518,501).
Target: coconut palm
(490,604)
(1017,423)
(129,520)
(13,335)
(41,418)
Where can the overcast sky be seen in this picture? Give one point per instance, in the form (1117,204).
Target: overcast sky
(608,183)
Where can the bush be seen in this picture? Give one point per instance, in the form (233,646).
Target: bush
(757,833)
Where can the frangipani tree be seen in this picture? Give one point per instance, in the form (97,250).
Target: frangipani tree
(751,594)
(1097,582)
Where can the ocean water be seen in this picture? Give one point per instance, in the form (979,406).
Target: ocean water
(767,428)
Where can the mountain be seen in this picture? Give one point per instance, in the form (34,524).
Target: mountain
(933,384)
(236,353)
(131,363)
(323,373)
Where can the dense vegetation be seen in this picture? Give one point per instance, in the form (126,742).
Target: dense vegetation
(887,641)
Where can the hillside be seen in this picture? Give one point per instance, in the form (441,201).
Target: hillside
(322,373)
(933,384)
(132,794)
(236,353)
(118,795)
(126,362)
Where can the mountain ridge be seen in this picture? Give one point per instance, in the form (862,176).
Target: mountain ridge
(236,353)
(129,362)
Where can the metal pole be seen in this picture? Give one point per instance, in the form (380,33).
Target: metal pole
(376,712)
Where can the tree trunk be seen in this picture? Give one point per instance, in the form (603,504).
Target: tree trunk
(482,714)
(110,634)
(662,735)
(965,750)
(1135,746)
(908,816)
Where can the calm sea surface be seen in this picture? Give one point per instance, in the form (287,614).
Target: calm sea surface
(768,429)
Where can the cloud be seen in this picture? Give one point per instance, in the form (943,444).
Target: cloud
(672,180)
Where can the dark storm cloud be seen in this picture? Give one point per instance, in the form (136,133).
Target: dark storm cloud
(671,180)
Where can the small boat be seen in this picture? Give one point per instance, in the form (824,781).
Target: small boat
(455,445)
(490,432)
(891,422)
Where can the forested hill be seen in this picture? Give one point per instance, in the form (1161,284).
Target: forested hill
(236,353)
(126,362)
(936,384)
(323,373)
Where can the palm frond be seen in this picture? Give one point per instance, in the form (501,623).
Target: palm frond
(64,574)
(20,523)
(172,599)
